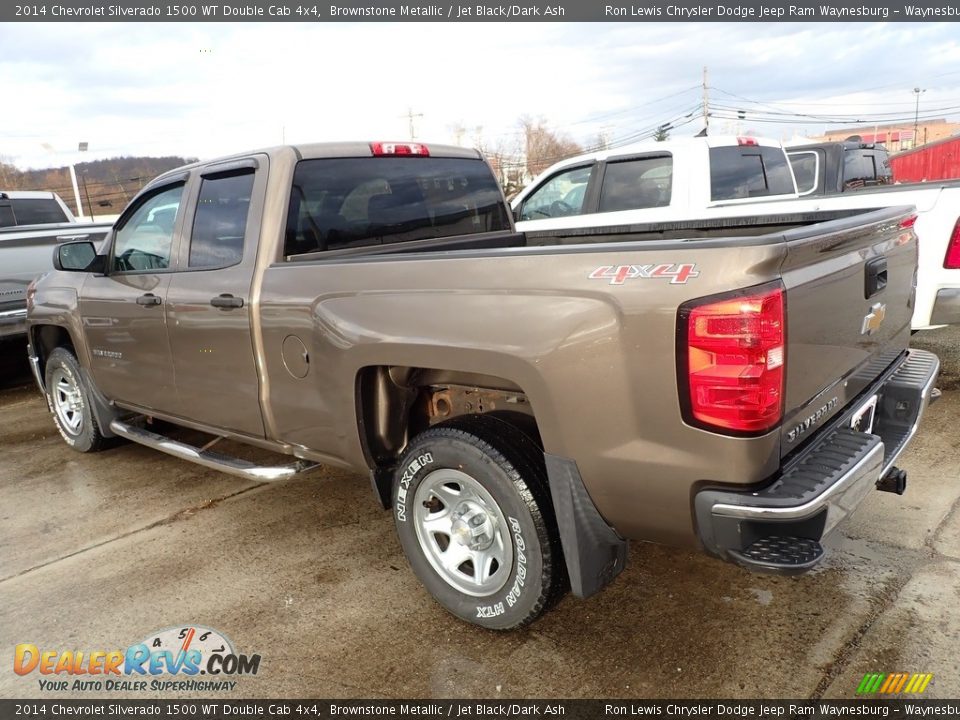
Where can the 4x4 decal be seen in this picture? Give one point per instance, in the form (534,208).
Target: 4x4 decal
(678,273)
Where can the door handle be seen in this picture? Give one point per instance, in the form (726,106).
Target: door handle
(226,301)
(148,300)
(875,279)
(71,238)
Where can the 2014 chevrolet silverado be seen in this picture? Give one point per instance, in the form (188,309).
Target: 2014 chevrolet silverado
(525,404)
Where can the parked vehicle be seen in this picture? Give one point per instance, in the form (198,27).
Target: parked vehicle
(680,179)
(524,404)
(31,223)
(829,168)
(731,180)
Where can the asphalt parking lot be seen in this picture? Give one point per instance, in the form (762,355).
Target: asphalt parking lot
(98,551)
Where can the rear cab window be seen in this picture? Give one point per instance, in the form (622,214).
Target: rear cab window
(342,203)
(31,211)
(749,171)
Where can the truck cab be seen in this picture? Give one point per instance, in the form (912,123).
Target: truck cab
(656,182)
(835,167)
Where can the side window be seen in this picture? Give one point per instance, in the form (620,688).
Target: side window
(636,184)
(145,238)
(220,222)
(749,171)
(560,196)
(805,169)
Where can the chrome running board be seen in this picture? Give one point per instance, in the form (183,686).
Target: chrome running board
(207,458)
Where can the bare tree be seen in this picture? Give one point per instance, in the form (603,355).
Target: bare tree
(505,158)
(544,146)
(9,174)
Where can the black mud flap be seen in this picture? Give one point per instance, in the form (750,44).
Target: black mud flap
(594,553)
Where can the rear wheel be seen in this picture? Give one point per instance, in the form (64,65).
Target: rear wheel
(70,401)
(475,520)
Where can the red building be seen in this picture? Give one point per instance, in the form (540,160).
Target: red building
(937,161)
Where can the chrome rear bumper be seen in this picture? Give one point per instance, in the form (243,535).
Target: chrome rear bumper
(825,484)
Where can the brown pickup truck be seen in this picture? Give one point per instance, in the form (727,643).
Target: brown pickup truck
(525,404)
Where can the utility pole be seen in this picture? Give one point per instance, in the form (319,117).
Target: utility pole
(706,101)
(916,116)
(410,117)
(83,177)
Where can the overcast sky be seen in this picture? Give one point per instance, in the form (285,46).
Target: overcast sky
(209,89)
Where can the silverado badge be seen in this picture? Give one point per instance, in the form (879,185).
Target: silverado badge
(873,319)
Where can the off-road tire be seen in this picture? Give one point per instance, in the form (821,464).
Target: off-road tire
(61,374)
(509,466)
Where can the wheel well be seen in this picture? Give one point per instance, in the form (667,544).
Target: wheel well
(396,403)
(47,338)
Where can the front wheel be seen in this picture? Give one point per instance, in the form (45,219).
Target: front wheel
(475,520)
(70,401)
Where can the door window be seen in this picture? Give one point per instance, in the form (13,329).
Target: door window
(560,196)
(636,184)
(145,237)
(220,223)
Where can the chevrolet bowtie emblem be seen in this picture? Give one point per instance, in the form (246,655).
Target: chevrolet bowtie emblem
(873,319)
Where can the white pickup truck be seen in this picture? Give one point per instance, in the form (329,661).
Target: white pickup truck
(708,179)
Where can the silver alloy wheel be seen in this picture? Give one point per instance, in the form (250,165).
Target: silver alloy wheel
(67,401)
(462,532)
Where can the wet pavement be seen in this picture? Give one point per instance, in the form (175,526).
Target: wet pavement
(98,551)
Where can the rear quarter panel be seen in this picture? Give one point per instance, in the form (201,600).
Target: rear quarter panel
(597,360)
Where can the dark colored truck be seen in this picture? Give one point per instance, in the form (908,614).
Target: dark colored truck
(828,168)
(524,403)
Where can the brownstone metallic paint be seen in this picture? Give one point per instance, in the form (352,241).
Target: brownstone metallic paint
(596,361)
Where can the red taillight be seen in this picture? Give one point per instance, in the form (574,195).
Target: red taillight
(951,260)
(908,222)
(392,148)
(735,359)
(747,141)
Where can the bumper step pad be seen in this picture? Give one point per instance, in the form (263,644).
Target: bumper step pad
(778,529)
(780,554)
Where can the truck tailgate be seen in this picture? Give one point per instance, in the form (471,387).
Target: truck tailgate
(849,302)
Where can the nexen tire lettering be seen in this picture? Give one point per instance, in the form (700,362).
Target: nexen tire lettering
(409,473)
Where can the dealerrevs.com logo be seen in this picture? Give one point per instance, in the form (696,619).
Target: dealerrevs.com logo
(177,659)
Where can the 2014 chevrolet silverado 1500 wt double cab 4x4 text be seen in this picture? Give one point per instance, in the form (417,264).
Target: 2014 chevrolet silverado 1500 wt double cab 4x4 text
(523,404)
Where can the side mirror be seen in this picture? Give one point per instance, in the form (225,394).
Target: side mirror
(80,256)
(516,212)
